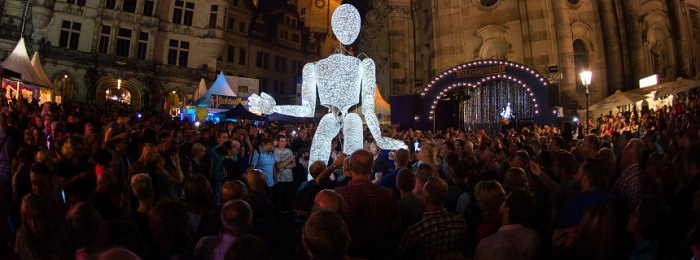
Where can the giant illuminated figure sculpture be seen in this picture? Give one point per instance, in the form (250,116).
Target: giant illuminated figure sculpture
(340,80)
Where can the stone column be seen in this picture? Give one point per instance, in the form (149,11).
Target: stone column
(634,36)
(565,51)
(612,47)
(682,38)
(401,58)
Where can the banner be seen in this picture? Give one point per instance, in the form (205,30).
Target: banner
(224,102)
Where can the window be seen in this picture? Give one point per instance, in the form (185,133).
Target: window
(70,35)
(143,46)
(178,53)
(280,64)
(297,66)
(110,4)
(230,53)
(291,21)
(263,84)
(296,37)
(77,2)
(148,7)
(262,60)
(241,27)
(303,11)
(129,6)
(284,35)
(241,56)
(231,24)
(123,42)
(213,16)
(104,39)
(581,62)
(183,12)
(279,87)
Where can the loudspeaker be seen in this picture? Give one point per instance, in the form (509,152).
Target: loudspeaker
(553,95)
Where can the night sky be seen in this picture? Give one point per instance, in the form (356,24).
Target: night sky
(361,5)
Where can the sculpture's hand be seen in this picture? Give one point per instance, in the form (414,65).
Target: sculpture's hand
(391,144)
(263,103)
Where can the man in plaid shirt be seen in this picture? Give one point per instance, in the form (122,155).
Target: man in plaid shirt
(439,232)
(372,211)
(628,188)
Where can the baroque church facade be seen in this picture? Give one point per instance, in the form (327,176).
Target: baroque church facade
(412,41)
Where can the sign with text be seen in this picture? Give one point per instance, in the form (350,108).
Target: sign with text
(220,101)
(486,71)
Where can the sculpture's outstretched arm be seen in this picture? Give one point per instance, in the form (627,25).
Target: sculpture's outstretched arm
(367,70)
(308,95)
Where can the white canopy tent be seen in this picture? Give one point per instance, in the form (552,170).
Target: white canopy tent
(219,87)
(613,103)
(668,88)
(46,93)
(201,89)
(19,62)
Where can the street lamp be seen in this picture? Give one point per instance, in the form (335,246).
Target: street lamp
(586,80)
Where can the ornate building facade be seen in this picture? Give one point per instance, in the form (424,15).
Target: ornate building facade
(154,52)
(413,41)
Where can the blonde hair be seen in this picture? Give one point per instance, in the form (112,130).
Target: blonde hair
(489,196)
(197,147)
(430,154)
(149,153)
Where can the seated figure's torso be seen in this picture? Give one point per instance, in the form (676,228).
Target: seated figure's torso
(338,81)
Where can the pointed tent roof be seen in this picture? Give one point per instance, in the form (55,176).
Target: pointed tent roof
(39,69)
(19,61)
(220,87)
(200,90)
(380,105)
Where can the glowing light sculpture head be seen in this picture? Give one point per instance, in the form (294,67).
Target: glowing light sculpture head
(346,23)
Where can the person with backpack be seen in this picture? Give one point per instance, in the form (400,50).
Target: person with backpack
(263,159)
(230,167)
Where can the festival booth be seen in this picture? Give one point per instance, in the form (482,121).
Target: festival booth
(664,94)
(217,99)
(45,94)
(617,102)
(239,112)
(31,82)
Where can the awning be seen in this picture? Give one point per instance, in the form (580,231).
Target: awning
(669,88)
(612,102)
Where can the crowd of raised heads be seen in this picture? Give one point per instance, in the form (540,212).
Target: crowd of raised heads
(88,181)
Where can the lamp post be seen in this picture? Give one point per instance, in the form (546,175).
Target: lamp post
(586,80)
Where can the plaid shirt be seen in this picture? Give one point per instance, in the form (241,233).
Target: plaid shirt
(371,216)
(628,188)
(436,235)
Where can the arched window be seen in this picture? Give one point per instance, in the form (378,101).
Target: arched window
(581,62)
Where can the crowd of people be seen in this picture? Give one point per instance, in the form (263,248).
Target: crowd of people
(87,181)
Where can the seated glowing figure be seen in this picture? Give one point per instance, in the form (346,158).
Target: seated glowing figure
(507,113)
(341,80)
